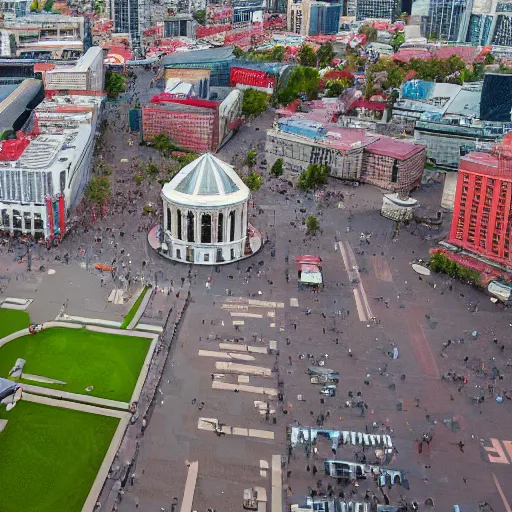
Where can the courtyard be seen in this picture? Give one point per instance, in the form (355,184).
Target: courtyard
(50,456)
(81,358)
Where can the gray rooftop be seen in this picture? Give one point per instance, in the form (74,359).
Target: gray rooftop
(206,177)
(195,56)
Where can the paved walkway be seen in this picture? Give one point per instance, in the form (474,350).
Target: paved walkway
(84,399)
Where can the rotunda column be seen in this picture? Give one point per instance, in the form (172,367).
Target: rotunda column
(165,217)
(215,223)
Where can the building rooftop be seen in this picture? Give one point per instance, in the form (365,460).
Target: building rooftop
(14,104)
(398,149)
(196,56)
(82,64)
(206,181)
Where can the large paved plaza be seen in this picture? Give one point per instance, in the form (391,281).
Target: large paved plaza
(348,327)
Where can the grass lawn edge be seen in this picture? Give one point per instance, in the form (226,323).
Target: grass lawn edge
(133,310)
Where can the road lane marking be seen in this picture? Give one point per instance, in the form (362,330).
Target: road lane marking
(277,484)
(228,386)
(499,456)
(190,487)
(245,315)
(502,494)
(212,425)
(381,269)
(349,261)
(243,368)
(224,355)
(238,347)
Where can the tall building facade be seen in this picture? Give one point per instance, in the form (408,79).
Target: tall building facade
(379,9)
(483,205)
(129,17)
(312,18)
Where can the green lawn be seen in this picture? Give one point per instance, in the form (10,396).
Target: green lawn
(129,317)
(50,457)
(109,362)
(12,320)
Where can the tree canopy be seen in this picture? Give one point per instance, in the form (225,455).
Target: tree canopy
(115,84)
(277,168)
(333,88)
(302,80)
(314,176)
(98,190)
(164,144)
(254,103)
(250,158)
(254,181)
(307,56)
(312,224)
(325,55)
(370,33)
(277,53)
(200,16)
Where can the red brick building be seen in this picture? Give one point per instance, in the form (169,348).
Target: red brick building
(483,200)
(195,124)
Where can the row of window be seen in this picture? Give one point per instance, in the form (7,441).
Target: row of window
(21,220)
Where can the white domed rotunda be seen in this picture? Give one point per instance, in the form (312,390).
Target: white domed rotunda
(205,215)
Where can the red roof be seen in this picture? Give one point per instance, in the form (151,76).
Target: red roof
(411,53)
(11,150)
(467,53)
(393,148)
(43,66)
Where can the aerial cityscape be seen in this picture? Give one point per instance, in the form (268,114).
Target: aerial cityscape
(255,255)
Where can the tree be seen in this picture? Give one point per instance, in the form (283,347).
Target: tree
(489,59)
(277,168)
(254,103)
(98,190)
(238,52)
(277,53)
(34,6)
(369,89)
(314,176)
(397,41)
(325,55)
(164,144)
(333,88)
(254,181)
(250,159)
(307,56)
(302,80)
(312,224)
(48,5)
(200,16)
(370,33)
(115,84)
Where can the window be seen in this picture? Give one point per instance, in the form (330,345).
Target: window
(190,227)
(5,218)
(232,227)
(16,217)
(206,257)
(179,225)
(62,181)
(169,220)
(394,172)
(38,221)
(178,253)
(220,227)
(28,220)
(232,254)
(206,229)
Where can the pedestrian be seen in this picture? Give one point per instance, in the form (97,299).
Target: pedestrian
(461,446)
(136,502)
